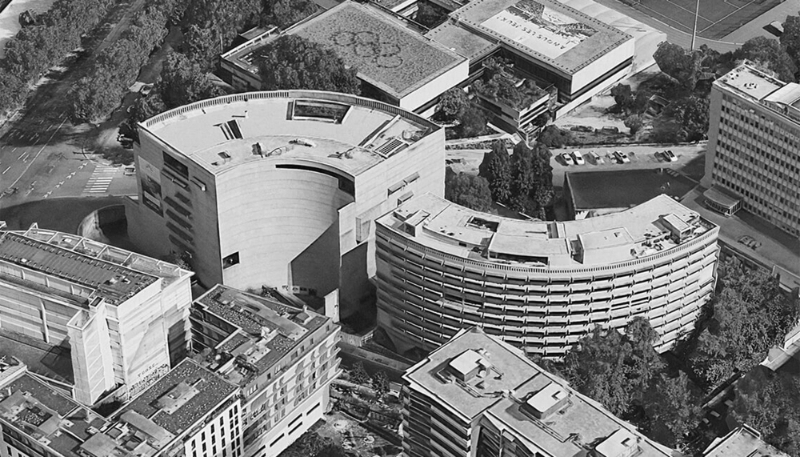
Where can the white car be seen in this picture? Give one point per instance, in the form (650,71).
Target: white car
(578,157)
(621,157)
(670,156)
(566,158)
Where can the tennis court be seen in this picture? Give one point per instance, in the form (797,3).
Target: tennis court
(717,18)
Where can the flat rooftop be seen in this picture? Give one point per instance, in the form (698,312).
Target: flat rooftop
(354,134)
(635,233)
(268,330)
(209,390)
(510,382)
(546,30)
(750,82)
(112,273)
(47,416)
(742,442)
(42,359)
(463,41)
(623,188)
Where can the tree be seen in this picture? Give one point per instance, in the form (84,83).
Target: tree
(284,13)
(468,190)
(623,97)
(672,409)
(429,14)
(183,81)
(381,383)
(554,137)
(292,62)
(615,369)
(679,63)
(532,179)
(496,169)
(359,375)
(634,122)
(452,103)
(473,122)
(790,39)
(768,54)
(750,315)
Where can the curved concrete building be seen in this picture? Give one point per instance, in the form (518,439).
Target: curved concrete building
(540,285)
(280,188)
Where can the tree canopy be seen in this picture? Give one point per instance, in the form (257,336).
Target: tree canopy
(468,190)
(679,63)
(453,103)
(750,315)
(184,81)
(768,54)
(532,179)
(292,62)
(496,169)
(790,38)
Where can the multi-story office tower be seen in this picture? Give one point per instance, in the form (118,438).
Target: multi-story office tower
(477,396)
(40,421)
(754,147)
(123,316)
(540,285)
(282,358)
(280,188)
(190,412)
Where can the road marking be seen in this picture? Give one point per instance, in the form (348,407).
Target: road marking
(4,171)
(37,155)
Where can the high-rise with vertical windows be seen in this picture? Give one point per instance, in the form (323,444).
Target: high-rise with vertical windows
(754,147)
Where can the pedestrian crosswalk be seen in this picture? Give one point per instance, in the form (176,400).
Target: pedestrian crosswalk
(100,180)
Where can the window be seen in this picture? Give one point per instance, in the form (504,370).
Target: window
(175,165)
(230,260)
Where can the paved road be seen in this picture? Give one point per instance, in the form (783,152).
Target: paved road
(642,157)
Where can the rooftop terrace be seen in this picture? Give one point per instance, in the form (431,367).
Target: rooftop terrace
(268,331)
(636,233)
(548,30)
(342,131)
(507,387)
(47,416)
(208,391)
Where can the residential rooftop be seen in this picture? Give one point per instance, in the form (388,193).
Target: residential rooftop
(177,401)
(505,386)
(635,233)
(90,268)
(742,442)
(547,30)
(266,331)
(47,416)
(345,132)
(623,188)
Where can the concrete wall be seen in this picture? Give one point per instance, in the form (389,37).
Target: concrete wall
(436,86)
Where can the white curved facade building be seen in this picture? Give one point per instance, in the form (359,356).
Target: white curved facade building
(279,188)
(540,285)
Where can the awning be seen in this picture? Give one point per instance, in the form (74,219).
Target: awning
(721,198)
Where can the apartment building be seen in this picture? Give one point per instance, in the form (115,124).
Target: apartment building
(121,316)
(744,441)
(477,396)
(280,188)
(38,420)
(540,286)
(282,358)
(753,159)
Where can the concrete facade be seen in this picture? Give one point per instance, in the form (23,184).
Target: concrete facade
(754,144)
(540,286)
(258,190)
(123,316)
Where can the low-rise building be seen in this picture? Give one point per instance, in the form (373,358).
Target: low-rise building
(477,396)
(122,317)
(282,358)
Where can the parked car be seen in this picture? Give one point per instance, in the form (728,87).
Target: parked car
(621,157)
(578,157)
(566,158)
(596,157)
(749,241)
(670,156)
